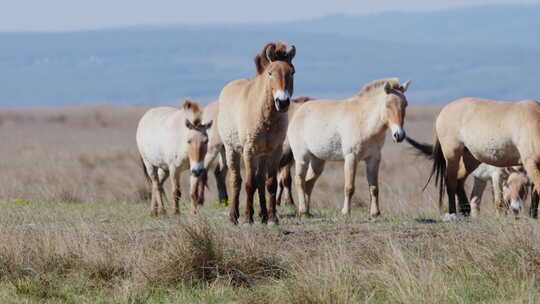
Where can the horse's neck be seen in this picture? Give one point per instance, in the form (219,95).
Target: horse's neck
(263,103)
(371,109)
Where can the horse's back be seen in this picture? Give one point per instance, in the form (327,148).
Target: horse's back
(158,133)
(210,113)
(487,128)
(315,129)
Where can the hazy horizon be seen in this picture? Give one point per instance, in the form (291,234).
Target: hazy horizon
(69,15)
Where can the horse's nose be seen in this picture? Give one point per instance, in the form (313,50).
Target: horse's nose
(197,172)
(515,206)
(282,104)
(399,135)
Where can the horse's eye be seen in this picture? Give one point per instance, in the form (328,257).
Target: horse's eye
(270,74)
(189,141)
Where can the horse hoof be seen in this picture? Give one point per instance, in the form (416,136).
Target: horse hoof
(306,215)
(375,214)
(153,213)
(449,217)
(345,212)
(272,223)
(247,224)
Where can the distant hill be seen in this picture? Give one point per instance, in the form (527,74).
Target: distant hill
(484,51)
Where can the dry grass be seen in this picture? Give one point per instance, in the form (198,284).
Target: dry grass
(74,229)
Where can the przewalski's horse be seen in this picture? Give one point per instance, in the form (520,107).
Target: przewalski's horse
(286,162)
(171,140)
(252,123)
(215,157)
(475,131)
(350,130)
(505,190)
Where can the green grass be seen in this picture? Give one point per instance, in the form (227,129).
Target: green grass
(116,253)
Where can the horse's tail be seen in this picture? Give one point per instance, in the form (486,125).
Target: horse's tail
(438,169)
(423,148)
(144,170)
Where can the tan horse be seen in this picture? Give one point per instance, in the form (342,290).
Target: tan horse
(475,131)
(286,162)
(215,157)
(506,191)
(171,140)
(252,123)
(351,130)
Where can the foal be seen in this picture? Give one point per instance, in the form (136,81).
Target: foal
(171,140)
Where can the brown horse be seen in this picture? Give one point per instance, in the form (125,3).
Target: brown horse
(475,131)
(286,162)
(252,123)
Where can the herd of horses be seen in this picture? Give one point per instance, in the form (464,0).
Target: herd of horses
(256,122)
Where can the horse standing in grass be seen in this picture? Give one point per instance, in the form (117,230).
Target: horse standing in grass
(215,157)
(474,131)
(505,189)
(286,162)
(351,130)
(171,140)
(252,123)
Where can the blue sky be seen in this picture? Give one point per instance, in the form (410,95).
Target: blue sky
(69,15)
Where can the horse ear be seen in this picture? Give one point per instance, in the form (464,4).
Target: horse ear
(208,125)
(387,88)
(405,86)
(189,125)
(271,53)
(291,52)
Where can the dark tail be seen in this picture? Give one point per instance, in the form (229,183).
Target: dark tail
(144,171)
(438,169)
(286,158)
(424,149)
(433,152)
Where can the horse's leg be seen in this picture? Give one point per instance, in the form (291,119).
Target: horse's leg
(301,168)
(452,156)
(533,208)
(531,166)
(316,167)
(175,188)
(151,171)
(497,185)
(261,191)
(467,166)
(272,166)
(235,181)
(220,172)
(281,185)
(162,177)
(250,167)
(349,170)
(476,195)
(372,173)
(288,185)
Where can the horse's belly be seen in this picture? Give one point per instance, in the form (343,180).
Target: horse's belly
(329,149)
(498,152)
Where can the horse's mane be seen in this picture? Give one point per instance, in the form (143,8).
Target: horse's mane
(193,111)
(301,99)
(373,87)
(261,61)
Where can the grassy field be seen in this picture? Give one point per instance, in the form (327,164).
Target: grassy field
(74,228)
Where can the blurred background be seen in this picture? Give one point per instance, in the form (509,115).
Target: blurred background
(142,53)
